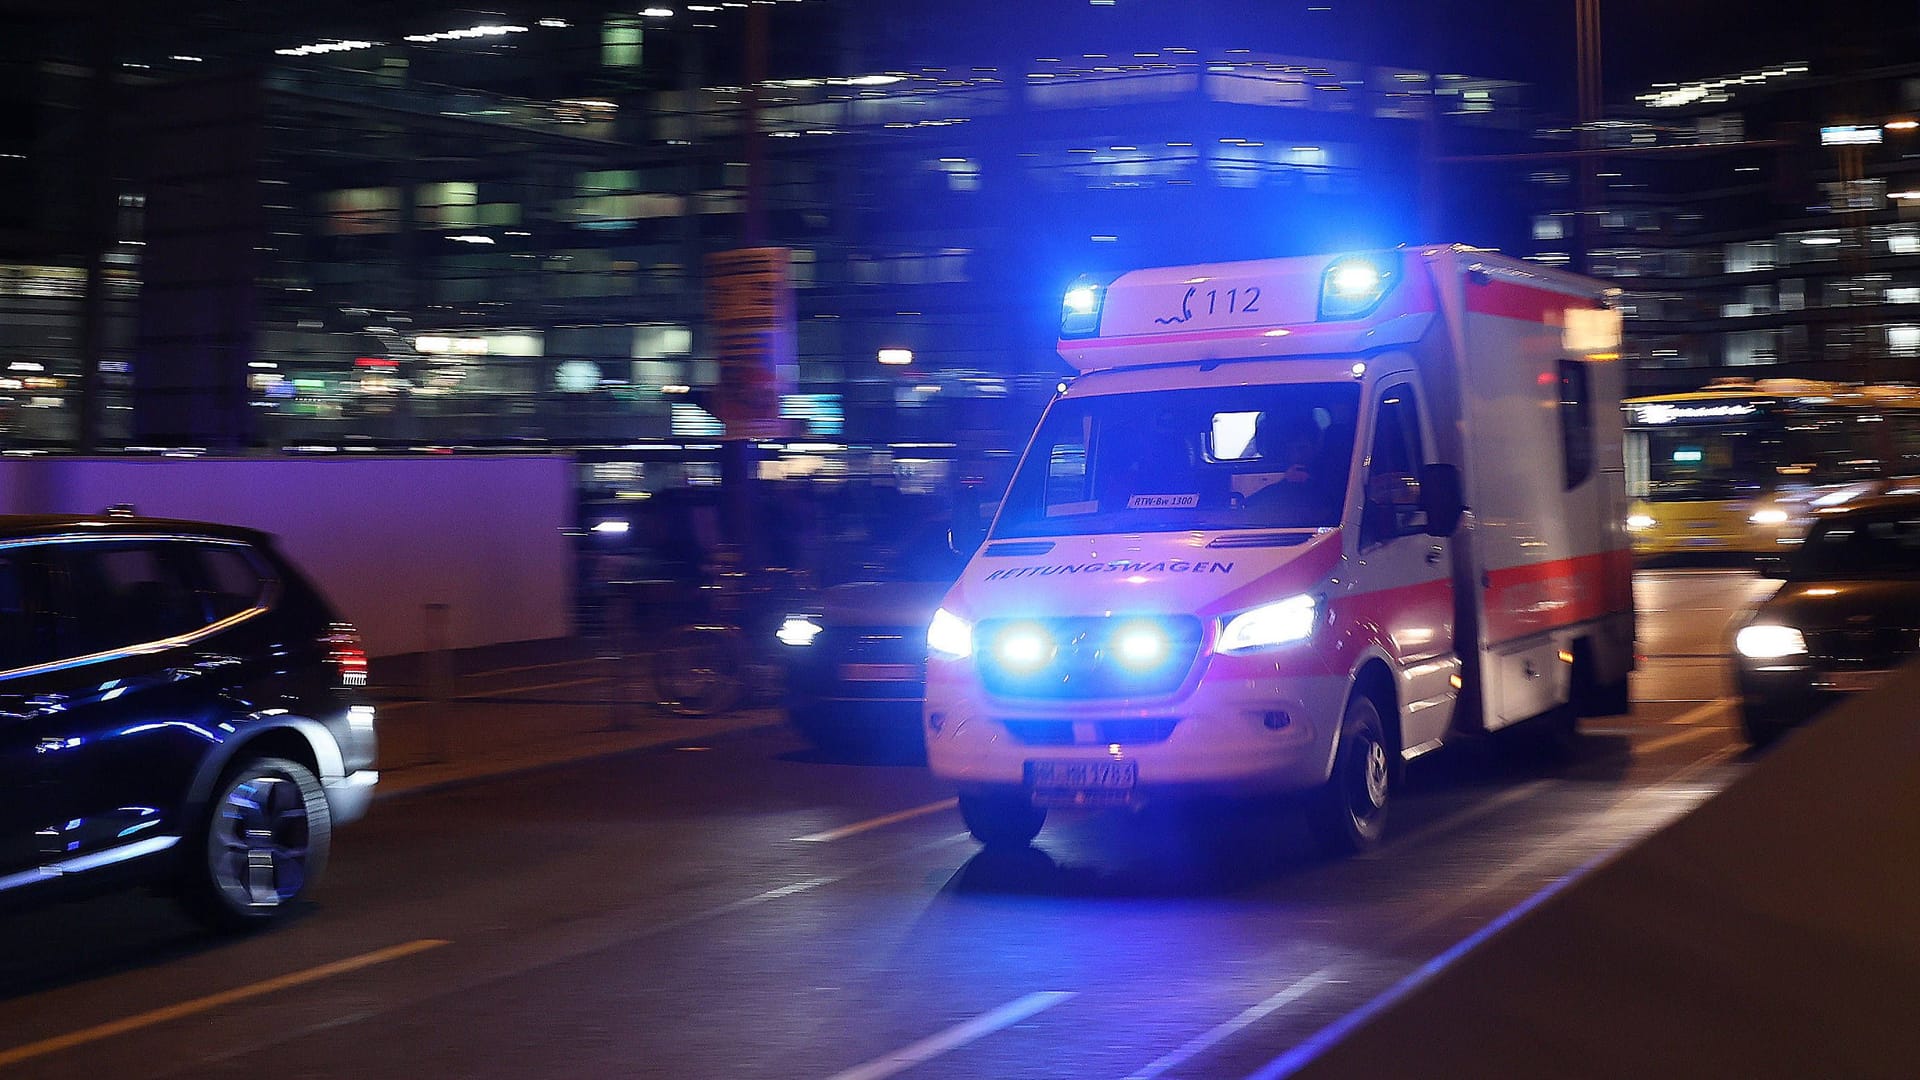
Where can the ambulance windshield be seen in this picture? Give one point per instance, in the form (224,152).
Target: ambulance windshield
(1226,457)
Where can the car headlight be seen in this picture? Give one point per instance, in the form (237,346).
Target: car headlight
(798,630)
(1278,623)
(1769,516)
(950,635)
(1638,522)
(1763,641)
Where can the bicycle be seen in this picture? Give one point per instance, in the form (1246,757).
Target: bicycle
(716,660)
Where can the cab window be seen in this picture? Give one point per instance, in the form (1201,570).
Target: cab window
(1393,469)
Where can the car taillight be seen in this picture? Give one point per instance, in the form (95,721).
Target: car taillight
(345,653)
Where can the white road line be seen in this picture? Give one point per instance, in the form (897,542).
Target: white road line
(1674,739)
(505,691)
(880,822)
(1711,708)
(213,1001)
(1253,1015)
(533,667)
(1392,849)
(956,1036)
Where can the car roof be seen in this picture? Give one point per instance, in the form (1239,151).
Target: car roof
(1903,500)
(28,526)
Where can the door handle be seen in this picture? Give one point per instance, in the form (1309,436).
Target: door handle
(1433,557)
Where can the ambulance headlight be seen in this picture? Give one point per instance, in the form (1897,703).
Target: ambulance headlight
(1765,642)
(1353,286)
(1080,310)
(1141,646)
(949,635)
(1278,623)
(1772,515)
(1023,647)
(798,630)
(1640,522)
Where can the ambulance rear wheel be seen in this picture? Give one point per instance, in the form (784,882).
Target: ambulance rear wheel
(1348,814)
(1002,821)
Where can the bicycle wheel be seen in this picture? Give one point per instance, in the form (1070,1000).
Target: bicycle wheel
(700,670)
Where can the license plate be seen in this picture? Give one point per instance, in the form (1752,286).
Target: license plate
(1082,783)
(1703,541)
(879,672)
(1854,681)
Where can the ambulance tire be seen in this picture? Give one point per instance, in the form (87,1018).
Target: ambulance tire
(1348,814)
(1002,822)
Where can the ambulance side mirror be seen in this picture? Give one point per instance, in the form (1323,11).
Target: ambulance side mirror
(967,532)
(1441,497)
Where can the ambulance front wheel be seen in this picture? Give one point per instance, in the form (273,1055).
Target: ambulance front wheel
(1348,814)
(1002,821)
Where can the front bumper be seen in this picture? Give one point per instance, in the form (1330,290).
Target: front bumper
(1234,736)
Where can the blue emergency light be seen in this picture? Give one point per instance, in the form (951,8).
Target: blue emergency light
(1080,309)
(1354,285)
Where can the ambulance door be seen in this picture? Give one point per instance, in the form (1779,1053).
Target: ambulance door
(1409,573)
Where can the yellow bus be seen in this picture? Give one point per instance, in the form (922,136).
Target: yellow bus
(1737,466)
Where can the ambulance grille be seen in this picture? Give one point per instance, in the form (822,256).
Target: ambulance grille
(1082,661)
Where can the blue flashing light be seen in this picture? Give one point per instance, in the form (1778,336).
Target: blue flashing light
(1354,285)
(1142,646)
(1080,309)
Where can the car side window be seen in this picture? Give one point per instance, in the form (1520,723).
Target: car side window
(120,594)
(1392,506)
(26,636)
(227,577)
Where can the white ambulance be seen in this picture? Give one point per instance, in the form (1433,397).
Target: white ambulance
(1295,523)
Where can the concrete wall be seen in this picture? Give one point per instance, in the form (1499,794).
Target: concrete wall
(383,537)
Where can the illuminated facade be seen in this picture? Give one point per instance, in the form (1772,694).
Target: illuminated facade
(1763,224)
(491,232)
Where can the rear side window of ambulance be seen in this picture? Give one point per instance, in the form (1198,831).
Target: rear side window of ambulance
(1576,424)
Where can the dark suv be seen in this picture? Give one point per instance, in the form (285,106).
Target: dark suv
(178,707)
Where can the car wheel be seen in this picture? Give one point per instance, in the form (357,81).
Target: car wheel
(1002,821)
(700,671)
(263,843)
(1348,814)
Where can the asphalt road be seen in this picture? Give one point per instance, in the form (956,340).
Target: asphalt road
(743,907)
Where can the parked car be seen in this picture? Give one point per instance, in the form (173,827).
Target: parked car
(178,708)
(857,658)
(1847,615)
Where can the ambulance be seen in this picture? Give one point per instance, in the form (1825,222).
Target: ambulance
(1295,523)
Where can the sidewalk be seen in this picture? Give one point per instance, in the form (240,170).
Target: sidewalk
(505,709)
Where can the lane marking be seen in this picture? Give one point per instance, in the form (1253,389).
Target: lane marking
(1675,739)
(534,667)
(1695,715)
(1250,1016)
(880,822)
(956,1036)
(506,691)
(214,1001)
(1304,1052)
(1466,816)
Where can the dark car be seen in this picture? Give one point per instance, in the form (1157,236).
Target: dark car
(856,666)
(1846,616)
(178,708)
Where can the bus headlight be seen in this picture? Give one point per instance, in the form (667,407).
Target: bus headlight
(1279,623)
(1640,522)
(1762,641)
(949,635)
(1770,516)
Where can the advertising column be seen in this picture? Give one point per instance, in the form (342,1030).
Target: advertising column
(750,309)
